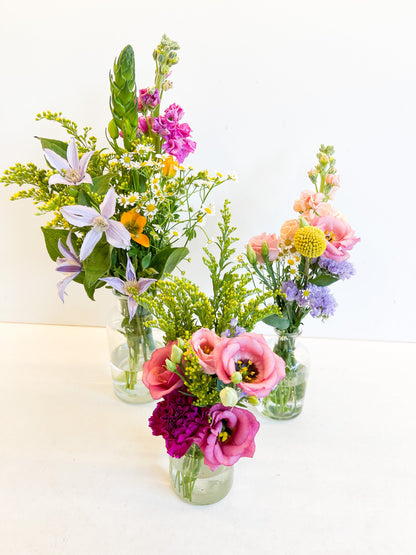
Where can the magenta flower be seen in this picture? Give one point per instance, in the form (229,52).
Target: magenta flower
(148,98)
(229,437)
(249,354)
(131,287)
(70,265)
(72,170)
(115,232)
(340,237)
(179,422)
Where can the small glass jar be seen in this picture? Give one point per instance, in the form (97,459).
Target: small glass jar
(131,343)
(196,483)
(286,400)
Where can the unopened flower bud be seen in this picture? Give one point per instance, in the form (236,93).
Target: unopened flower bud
(113,130)
(228,396)
(253,400)
(251,255)
(236,377)
(176,355)
(303,222)
(181,343)
(265,251)
(170,167)
(171,366)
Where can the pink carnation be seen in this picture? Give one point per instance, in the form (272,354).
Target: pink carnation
(250,355)
(156,377)
(203,342)
(256,243)
(340,237)
(229,437)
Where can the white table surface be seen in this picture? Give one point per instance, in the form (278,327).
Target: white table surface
(81,472)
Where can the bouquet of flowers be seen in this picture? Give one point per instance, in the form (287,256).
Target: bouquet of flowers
(310,254)
(211,366)
(121,216)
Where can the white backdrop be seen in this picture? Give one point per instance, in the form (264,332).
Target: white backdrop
(263,84)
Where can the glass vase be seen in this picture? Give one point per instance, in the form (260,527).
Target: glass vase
(286,400)
(196,483)
(131,343)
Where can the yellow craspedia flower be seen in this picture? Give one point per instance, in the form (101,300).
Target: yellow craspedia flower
(310,241)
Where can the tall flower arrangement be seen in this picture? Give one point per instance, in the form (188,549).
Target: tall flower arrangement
(122,216)
(211,366)
(311,253)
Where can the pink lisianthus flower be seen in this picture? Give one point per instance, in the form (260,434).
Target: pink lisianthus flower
(340,237)
(230,436)
(256,243)
(249,354)
(308,201)
(203,342)
(156,377)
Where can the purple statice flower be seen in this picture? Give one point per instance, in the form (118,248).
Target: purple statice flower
(148,99)
(319,300)
(179,422)
(70,265)
(131,287)
(343,269)
(115,232)
(290,289)
(234,330)
(72,170)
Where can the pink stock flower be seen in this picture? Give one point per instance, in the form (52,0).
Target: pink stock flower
(308,201)
(256,243)
(156,377)
(249,354)
(148,98)
(340,237)
(230,436)
(203,342)
(332,179)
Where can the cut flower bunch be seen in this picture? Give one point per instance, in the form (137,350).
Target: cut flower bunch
(298,266)
(123,216)
(210,368)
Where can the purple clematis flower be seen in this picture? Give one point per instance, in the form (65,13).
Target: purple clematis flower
(72,170)
(131,287)
(70,265)
(115,232)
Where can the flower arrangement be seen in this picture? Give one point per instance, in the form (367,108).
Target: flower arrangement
(121,217)
(211,367)
(298,266)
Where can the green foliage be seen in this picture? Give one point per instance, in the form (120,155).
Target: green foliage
(202,386)
(52,237)
(96,265)
(180,308)
(84,141)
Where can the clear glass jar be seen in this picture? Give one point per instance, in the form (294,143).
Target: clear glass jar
(131,343)
(196,483)
(286,400)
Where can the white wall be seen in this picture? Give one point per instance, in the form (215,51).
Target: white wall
(263,84)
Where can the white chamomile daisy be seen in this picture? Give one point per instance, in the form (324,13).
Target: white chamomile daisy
(209,209)
(123,200)
(127,160)
(150,208)
(133,198)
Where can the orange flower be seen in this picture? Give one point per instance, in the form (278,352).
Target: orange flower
(134,223)
(170,167)
(288,230)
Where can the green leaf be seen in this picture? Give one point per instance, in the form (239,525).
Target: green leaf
(146,260)
(100,183)
(52,237)
(59,147)
(276,322)
(167,259)
(220,385)
(96,265)
(324,280)
(83,198)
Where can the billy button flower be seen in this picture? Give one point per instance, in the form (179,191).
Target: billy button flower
(310,241)
(134,223)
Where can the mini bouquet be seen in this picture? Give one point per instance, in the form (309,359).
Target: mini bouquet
(310,254)
(121,217)
(211,367)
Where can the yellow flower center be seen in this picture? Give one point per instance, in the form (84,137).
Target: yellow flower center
(310,241)
(150,207)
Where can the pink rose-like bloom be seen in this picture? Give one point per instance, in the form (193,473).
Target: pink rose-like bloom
(256,243)
(156,377)
(308,201)
(229,437)
(340,237)
(288,230)
(250,355)
(203,342)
